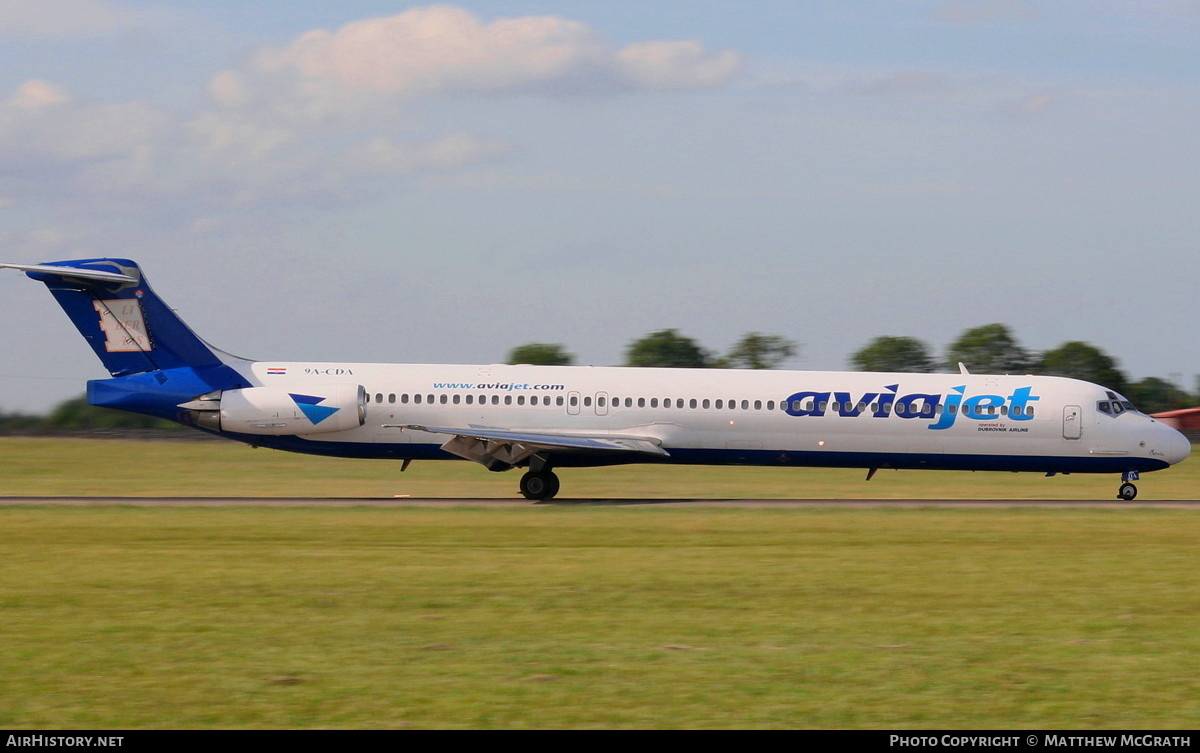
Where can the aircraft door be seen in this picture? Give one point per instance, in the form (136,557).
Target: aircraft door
(573,403)
(1072,422)
(601,403)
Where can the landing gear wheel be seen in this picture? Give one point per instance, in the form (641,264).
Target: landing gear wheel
(1127,492)
(539,485)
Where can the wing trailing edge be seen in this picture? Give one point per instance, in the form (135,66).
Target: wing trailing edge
(500,448)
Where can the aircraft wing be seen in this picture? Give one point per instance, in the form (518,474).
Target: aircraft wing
(488,445)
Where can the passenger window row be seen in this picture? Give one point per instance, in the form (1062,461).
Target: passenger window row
(600,401)
(679,403)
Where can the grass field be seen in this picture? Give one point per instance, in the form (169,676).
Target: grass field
(559,616)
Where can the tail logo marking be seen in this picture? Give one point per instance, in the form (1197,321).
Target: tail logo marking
(308,406)
(123,326)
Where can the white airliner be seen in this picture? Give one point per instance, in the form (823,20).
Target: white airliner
(545,417)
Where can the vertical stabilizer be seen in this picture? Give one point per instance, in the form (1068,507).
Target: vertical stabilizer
(128,326)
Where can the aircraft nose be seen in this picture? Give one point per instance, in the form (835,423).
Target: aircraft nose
(1176,445)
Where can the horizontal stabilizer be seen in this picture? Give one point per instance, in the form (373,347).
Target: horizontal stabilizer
(74,273)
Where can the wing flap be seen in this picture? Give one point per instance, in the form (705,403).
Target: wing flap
(499,449)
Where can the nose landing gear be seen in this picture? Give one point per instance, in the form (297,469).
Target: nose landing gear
(1127,491)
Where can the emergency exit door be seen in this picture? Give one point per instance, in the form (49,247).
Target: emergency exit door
(1072,422)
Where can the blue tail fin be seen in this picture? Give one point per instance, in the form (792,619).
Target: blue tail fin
(156,361)
(113,307)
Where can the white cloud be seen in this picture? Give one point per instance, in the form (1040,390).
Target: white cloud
(676,65)
(38,93)
(443,49)
(318,117)
(381,155)
(65,19)
(40,122)
(984,11)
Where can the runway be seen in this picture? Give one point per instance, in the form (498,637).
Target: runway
(401,502)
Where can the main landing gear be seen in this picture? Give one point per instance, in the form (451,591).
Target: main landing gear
(539,482)
(1127,491)
(539,485)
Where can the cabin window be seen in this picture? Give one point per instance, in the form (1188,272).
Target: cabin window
(470,399)
(457,398)
(770,405)
(641,402)
(520,399)
(719,404)
(587,402)
(442,399)
(495,399)
(758,405)
(653,402)
(599,402)
(559,401)
(417,399)
(678,402)
(692,403)
(574,401)
(508,399)
(704,404)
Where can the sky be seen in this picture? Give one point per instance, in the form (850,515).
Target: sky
(369,181)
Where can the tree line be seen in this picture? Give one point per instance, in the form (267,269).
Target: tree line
(986,349)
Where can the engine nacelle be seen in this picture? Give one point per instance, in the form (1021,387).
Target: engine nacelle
(323,409)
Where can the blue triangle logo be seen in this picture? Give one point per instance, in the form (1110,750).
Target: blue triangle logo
(308,406)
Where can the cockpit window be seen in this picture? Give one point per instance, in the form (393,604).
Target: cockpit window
(1115,407)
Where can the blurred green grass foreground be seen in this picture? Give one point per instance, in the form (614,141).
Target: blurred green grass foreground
(570,616)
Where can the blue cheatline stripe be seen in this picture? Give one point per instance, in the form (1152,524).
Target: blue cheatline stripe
(683,456)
